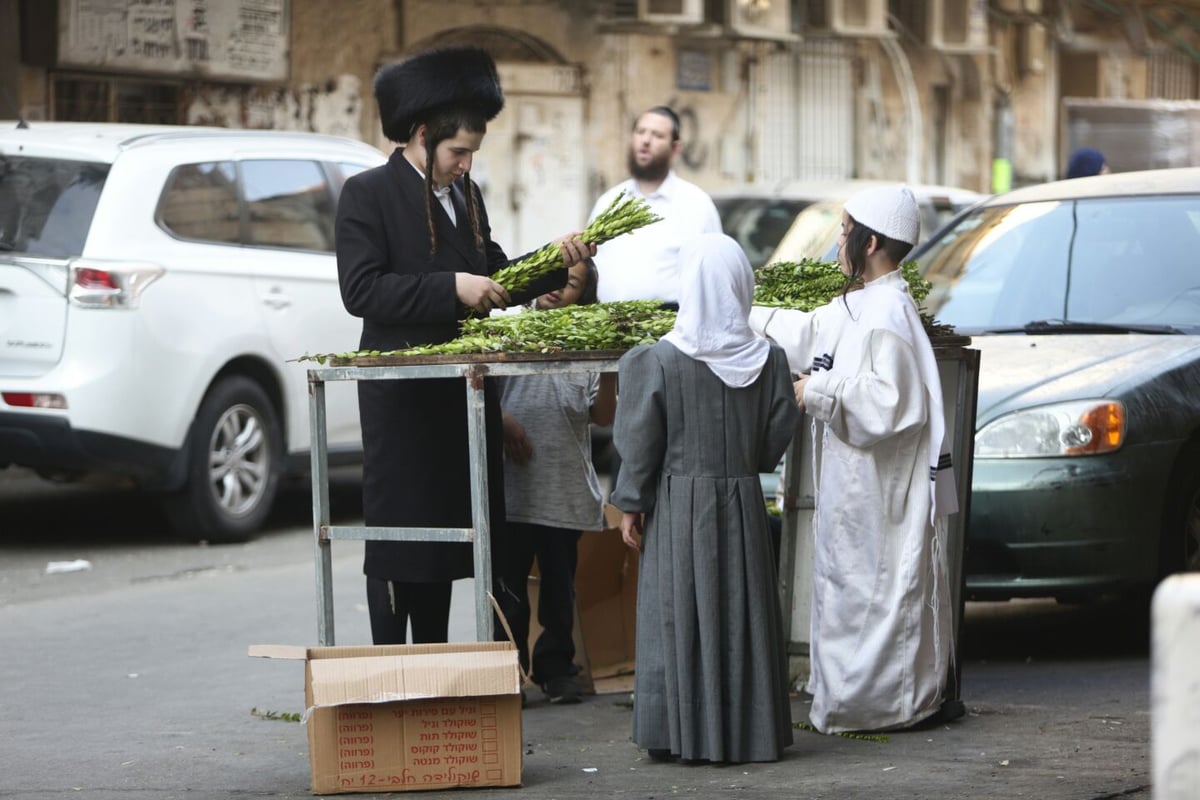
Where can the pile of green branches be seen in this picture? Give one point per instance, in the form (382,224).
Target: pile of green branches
(803,285)
(807,285)
(601,326)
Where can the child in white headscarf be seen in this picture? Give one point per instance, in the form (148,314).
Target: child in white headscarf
(701,414)
(881,637)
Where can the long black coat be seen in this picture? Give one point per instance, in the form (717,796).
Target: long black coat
(415,470)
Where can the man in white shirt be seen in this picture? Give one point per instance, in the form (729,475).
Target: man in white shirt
(644,265)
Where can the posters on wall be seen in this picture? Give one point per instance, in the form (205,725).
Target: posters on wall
(237,39)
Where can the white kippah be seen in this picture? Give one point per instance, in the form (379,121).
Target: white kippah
(888,210)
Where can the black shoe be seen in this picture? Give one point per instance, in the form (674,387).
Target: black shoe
(563,689)
(659,754)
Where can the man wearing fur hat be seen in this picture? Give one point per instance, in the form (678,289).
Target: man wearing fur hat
(881,638)
(415,253)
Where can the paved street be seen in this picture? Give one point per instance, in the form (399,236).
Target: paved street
(130,679)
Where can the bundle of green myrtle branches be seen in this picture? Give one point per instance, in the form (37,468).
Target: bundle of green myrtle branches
(600,326)
(623,215)
(808,284)
(804,285)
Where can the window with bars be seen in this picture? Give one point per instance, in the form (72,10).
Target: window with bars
(105,99)
(1172,76)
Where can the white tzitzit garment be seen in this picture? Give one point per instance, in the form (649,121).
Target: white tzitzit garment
(715,294)
(882,623)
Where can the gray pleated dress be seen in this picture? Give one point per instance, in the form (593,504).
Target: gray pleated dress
(711,672)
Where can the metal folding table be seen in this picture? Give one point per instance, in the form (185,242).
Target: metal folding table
(473,369)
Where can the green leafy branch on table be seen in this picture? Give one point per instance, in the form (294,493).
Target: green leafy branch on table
(803,285)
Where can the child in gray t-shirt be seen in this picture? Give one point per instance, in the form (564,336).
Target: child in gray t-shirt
(551,494)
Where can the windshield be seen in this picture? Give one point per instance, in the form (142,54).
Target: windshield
(1116,260)
(816,230)
(757,223)
(813,233)
(46,204)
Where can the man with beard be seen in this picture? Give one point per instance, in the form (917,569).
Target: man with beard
(644,265)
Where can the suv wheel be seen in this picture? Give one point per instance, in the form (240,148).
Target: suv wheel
(233,464)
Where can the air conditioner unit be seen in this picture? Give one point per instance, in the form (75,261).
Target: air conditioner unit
(653,11)
(845,17)
(678,11)
(1020,6)
(957,25)
(760,19)
(618,9)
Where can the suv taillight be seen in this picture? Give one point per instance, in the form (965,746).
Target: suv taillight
(34,400)
(93,279)
(96,284)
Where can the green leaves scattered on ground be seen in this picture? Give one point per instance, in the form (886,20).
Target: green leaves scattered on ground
(281,716)
(866,737)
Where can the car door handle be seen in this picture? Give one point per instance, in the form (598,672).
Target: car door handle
(277,299)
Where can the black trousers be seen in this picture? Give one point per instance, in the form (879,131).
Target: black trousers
(425,605)
(557,552)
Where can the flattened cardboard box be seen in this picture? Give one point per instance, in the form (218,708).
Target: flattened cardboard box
(405,717)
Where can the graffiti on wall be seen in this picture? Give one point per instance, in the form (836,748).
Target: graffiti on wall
(695,151)
(242,39)
(334,108)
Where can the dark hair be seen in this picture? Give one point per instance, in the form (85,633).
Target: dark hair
(441,125)
(589,294)
(663,111)
(856,251)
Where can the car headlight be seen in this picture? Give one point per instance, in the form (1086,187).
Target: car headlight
(1079,428)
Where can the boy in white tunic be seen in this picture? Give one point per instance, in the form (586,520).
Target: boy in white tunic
(881,615)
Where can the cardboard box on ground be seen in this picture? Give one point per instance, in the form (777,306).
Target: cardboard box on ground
(404,717)
(394,718)
(605,608)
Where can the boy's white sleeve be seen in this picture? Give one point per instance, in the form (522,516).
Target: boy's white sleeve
(794,331)
(882,397)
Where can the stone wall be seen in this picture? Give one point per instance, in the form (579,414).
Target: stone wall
(335,50)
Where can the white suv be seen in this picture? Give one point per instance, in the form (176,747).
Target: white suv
(154,283)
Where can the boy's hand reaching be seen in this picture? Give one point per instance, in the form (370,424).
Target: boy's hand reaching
(631,530)
(516,442)
(574,249)
(798,387)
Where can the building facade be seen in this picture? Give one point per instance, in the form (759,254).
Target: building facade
(974,93)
